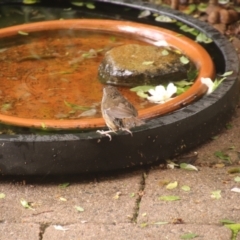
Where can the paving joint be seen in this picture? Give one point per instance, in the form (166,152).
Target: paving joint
(42,229)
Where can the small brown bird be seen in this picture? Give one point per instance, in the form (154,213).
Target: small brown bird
(118,112)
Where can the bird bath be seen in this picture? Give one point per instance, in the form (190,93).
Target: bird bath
(78,148)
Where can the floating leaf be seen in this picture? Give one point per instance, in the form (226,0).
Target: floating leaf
(226,221)
(25,204)
(23,33)
(202,7)
(164,52)
(183,83)
(147,63)
(184,60)
(235,189)
(169,198)
(172,185)
(201,37)
(190,9)
(189,236)
(162,18)
(144,88)
(142,94)
(79,209)
(185,188)
(222,156)
(216,194)
(30,1)
(2,195)
(144,14)
(188,29)
(78,4)
(64,185)
(237,179)
(188,166)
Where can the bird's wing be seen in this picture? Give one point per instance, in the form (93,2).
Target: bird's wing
(122,111)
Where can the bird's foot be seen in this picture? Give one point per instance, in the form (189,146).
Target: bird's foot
(127,130)
(106,133)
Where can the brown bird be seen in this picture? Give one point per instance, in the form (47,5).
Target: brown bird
(118,112)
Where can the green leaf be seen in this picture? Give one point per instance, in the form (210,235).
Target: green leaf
(90,5)
(217,82)
(227,74)
(172,185)
(202,7)
(216,194)
(144,88)
(190,9)
(183,83)
(143,225)
(188,29)
(162,18)
(6,107)
(189,236)
(142,94)
(169,198)
(185,188)
(164,52)
(226,221)
(235,228)
(78,4)
(79,209)
(2,195)
(144,14)
(234,170)
(188,166)
(25,204)
(237,179)
(30,1)
(201,37)
(229,125)
(132,195)
(222,156)
(184,60)
(64,185)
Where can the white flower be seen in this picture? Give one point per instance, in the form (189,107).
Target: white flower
(160,94)
(209,83)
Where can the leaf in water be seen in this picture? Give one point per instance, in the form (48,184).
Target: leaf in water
(162,18)
(183,83)
(172,185)
(144,14)
(90,5)
(235,189)
(164,52)
(222,156)
(216,194)
(185,188)
(234,170)
(184,60)
(147,63)
(227,74)
(79,209)
(160,223)
(237,179)
(202,7)
(142,94)
(30,1)
(2,195)
(226,221)
(25,204)
(189,236)
(191,30)
(169,198)
(201,37)
(188,166)
(23,33)
(64,185)
(144,88)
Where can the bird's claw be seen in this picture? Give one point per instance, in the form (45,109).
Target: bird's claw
(106,133)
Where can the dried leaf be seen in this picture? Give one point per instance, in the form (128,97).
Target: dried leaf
(172,185)
(63,199)
(201,37)
(132,195)
(61,228)
(234,170)
(189,236)
(169,198)
(143,225)
(235,189)
(79,209)
(236,179)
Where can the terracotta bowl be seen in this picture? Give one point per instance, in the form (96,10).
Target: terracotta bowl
(147,33)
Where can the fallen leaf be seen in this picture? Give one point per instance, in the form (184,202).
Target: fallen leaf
(189,236)
(222,156)
(160,223)
(235,189)
(132,195)
(236,179)
(169,198)
(117,195)
(143,225)
(79,209)
(144,214)
(23,33)
(216,194)
(144,14)
(184,60)
(63,199)
(25,204)
(226,221)
(188,166)
(172,185)
(2,195)
(185,188)
(234,170)
(64,185)
(162,18)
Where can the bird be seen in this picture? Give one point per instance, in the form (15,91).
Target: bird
(118,112)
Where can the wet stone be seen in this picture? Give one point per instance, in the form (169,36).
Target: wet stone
(133,65)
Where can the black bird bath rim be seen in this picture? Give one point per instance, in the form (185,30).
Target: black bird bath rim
(160,138)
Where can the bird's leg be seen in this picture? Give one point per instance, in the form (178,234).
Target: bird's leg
(106,133)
